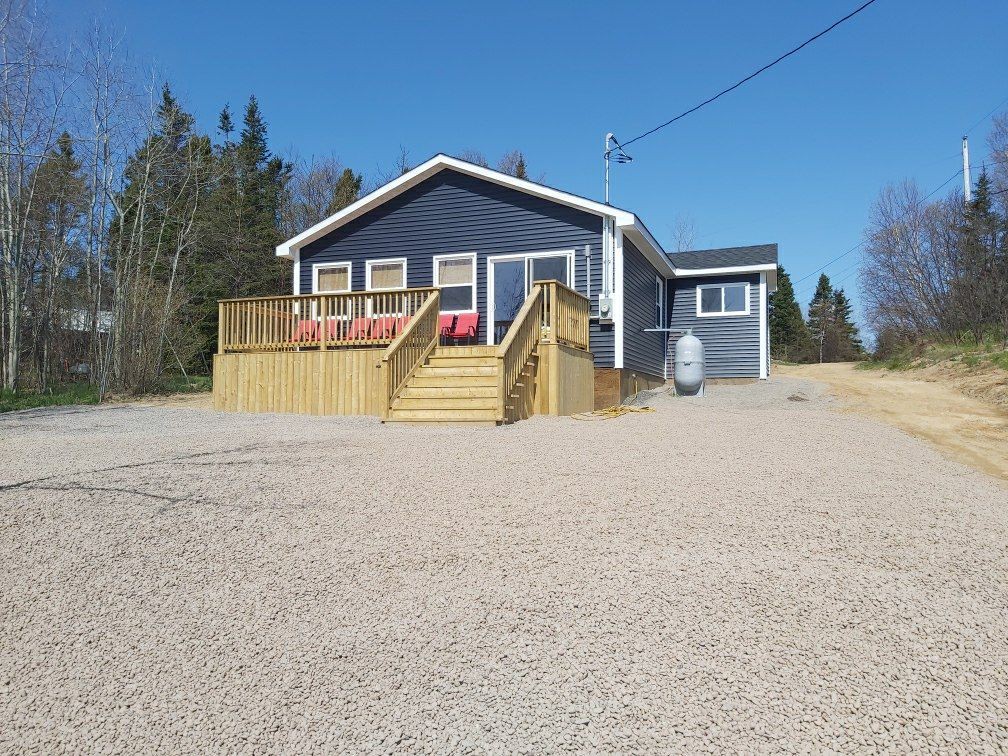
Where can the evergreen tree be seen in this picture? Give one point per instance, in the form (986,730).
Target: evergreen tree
(845,342)
(240,219)
(520,170)
(821,314)
(346,192)
(225,124)
(789,338)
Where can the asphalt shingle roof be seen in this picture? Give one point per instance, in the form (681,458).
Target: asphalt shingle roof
(757,254)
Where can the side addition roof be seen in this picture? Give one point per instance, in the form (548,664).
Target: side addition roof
(761,255)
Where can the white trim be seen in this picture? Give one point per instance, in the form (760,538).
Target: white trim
(764,365)
(439,163)
(617,299)
(342,264)
(384,261)
(515,257)
(730,269)
(733,313)
(660,301)
(296,283)
(457,256)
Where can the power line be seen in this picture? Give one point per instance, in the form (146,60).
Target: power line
(753,75)
(981,120)
(838,257)
(862,242)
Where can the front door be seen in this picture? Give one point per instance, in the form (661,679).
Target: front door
(510,280)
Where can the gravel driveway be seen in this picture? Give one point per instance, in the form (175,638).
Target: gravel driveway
(745,572)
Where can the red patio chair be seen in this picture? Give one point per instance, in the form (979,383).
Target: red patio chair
(382,327)
(401,323)
(360,329)
(466,327)
(334,328)
(445,323)
(307,330)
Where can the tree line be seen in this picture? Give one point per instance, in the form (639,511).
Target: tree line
(938,269)
(122,222)
(827,335)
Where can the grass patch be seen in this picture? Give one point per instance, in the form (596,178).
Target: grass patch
(975,356)
(70,393)
(179,384)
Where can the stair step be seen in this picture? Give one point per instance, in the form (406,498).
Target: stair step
(462,381)
(465,351)
(439,361)
(445,403)
(461,371)
(444,415)
(413,391)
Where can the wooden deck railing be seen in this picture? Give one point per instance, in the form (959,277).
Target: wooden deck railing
(565,314)
(409,350)
(516,349)
(316,321)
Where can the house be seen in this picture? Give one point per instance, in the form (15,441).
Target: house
(608,299)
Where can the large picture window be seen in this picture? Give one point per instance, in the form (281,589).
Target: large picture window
(715,300)
(331,278)
(455,275)
(386,274)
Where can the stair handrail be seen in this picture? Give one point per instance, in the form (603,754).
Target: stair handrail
(566,314)
(519,344)
(408,351)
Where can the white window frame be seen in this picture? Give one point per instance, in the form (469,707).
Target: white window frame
(385,261)
(437,283)
(733,313)
(524,257)
(321,266)
(660,296)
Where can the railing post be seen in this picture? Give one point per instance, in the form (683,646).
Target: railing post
(501,399)
(552,304)
(323,323)
(220,328)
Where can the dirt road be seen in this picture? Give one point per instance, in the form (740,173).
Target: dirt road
(961,427)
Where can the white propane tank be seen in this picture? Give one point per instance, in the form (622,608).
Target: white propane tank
(689,365)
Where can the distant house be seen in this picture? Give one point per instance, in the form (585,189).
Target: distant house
(483,238)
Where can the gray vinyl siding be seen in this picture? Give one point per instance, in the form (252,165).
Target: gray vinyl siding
(731,344)
(452,212)
(644,352)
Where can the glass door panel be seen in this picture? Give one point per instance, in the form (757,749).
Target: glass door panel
(508,294)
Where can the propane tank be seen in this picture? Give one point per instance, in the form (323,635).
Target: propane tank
(689,365)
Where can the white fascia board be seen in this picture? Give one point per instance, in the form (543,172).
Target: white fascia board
(617,298)
(648,246)
(426,170)
(727,270)
(763,333)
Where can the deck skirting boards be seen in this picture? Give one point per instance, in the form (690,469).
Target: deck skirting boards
(337,382)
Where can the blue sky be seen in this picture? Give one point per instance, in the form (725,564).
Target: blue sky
(795,156)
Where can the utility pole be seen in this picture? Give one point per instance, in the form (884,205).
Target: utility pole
(620,157)
(967,184)
(606,154)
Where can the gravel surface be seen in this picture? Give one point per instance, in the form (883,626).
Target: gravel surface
(751,571)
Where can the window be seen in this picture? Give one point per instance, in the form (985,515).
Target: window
(455,275)
(722,299)
(548,268)
(331,278)
(386,274)
(659,315)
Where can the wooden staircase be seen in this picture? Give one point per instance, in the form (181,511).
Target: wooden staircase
(454,385)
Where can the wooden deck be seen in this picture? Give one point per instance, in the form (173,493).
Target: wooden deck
(379,354)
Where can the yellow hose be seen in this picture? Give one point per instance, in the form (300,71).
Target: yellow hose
(609,413)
